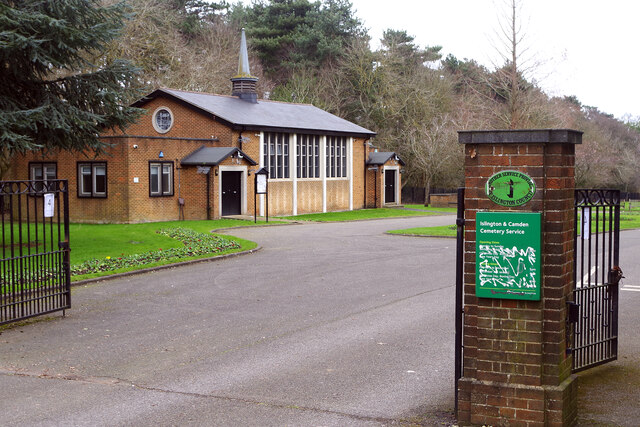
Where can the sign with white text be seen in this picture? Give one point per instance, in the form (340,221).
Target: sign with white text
(49,204)
(508,255)
(261,184)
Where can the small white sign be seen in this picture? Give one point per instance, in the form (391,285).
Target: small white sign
(136,179)
(261,184)
(49,202)
(586,223)
(204,169)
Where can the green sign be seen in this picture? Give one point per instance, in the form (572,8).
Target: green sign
(510,188)
(508,255)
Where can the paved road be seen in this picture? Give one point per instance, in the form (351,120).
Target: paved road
(330,324)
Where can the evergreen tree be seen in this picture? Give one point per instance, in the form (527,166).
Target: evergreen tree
(290,35)
(56,89)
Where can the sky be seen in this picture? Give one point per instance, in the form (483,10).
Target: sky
(585,48)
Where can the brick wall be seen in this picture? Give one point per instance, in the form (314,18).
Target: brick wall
(358,169)
(446,200)
(114,208)
(516,369)
(375,185)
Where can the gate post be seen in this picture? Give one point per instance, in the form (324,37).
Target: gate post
(517,370)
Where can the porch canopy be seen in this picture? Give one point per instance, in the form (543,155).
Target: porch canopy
(382,157)
(213,156)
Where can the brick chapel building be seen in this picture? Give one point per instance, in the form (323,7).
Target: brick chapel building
(194,156)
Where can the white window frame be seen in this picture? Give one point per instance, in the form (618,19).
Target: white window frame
(49,171)
(92,192)
(162,166)
(277,163)
(337,157)
(154,119)
(308,156)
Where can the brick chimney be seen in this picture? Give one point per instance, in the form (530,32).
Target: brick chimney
(243,84)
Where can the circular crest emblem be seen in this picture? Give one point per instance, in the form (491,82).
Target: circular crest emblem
(510,188)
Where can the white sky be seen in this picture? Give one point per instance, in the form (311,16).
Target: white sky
(587,48)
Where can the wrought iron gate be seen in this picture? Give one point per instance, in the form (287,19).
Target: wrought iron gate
(34,269)
(459,315)
(593,314)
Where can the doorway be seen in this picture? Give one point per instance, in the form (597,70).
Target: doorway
(231,193)
(389,186)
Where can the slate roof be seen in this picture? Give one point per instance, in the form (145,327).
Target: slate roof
(382,157)
(212,156)
(264,115)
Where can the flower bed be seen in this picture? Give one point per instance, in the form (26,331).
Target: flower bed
(195,244)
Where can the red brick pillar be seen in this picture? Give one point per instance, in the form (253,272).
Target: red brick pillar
(516,368)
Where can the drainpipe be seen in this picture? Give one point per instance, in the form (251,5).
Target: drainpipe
(365,173)
(366,153)
(375,199)
(209,194)
(180,204)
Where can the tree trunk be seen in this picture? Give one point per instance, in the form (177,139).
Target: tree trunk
(427,192)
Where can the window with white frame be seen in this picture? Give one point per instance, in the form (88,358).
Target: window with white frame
(160,179)
(162,120)
(276,154)
(43,173)
(92,179)
(308,156)
(336,155)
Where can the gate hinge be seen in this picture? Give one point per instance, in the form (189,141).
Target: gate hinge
(573,314)
(63,245)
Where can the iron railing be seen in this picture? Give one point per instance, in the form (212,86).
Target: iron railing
(459,308)
(34,269)
(595,295)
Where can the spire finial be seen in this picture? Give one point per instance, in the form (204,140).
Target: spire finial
(243,83)
(243,60)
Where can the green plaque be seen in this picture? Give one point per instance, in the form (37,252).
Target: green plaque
(508,255)
(510,188)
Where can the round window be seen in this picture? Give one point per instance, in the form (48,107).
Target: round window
(162,120)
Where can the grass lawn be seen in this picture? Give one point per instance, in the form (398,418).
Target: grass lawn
(628,221)
(357,215)
(439,231)
(633,206)
(105,246)
(431,209)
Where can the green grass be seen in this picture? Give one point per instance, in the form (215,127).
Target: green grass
(134,246)
(628,221)
(99,241)
(357,215)
(439,231)
(431,208)
(245,245)
(633,206)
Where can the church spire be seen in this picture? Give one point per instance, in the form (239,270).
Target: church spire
(243,83)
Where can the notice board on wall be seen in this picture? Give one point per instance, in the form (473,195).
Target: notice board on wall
(508,251)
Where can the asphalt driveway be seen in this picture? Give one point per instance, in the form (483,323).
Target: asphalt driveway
(329,324)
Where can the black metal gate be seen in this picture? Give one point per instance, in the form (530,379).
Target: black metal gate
(593,314)
(34,269)
(459,310)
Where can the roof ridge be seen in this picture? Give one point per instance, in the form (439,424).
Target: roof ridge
(235,97)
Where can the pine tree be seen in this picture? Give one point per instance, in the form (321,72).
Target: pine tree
(56,89)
